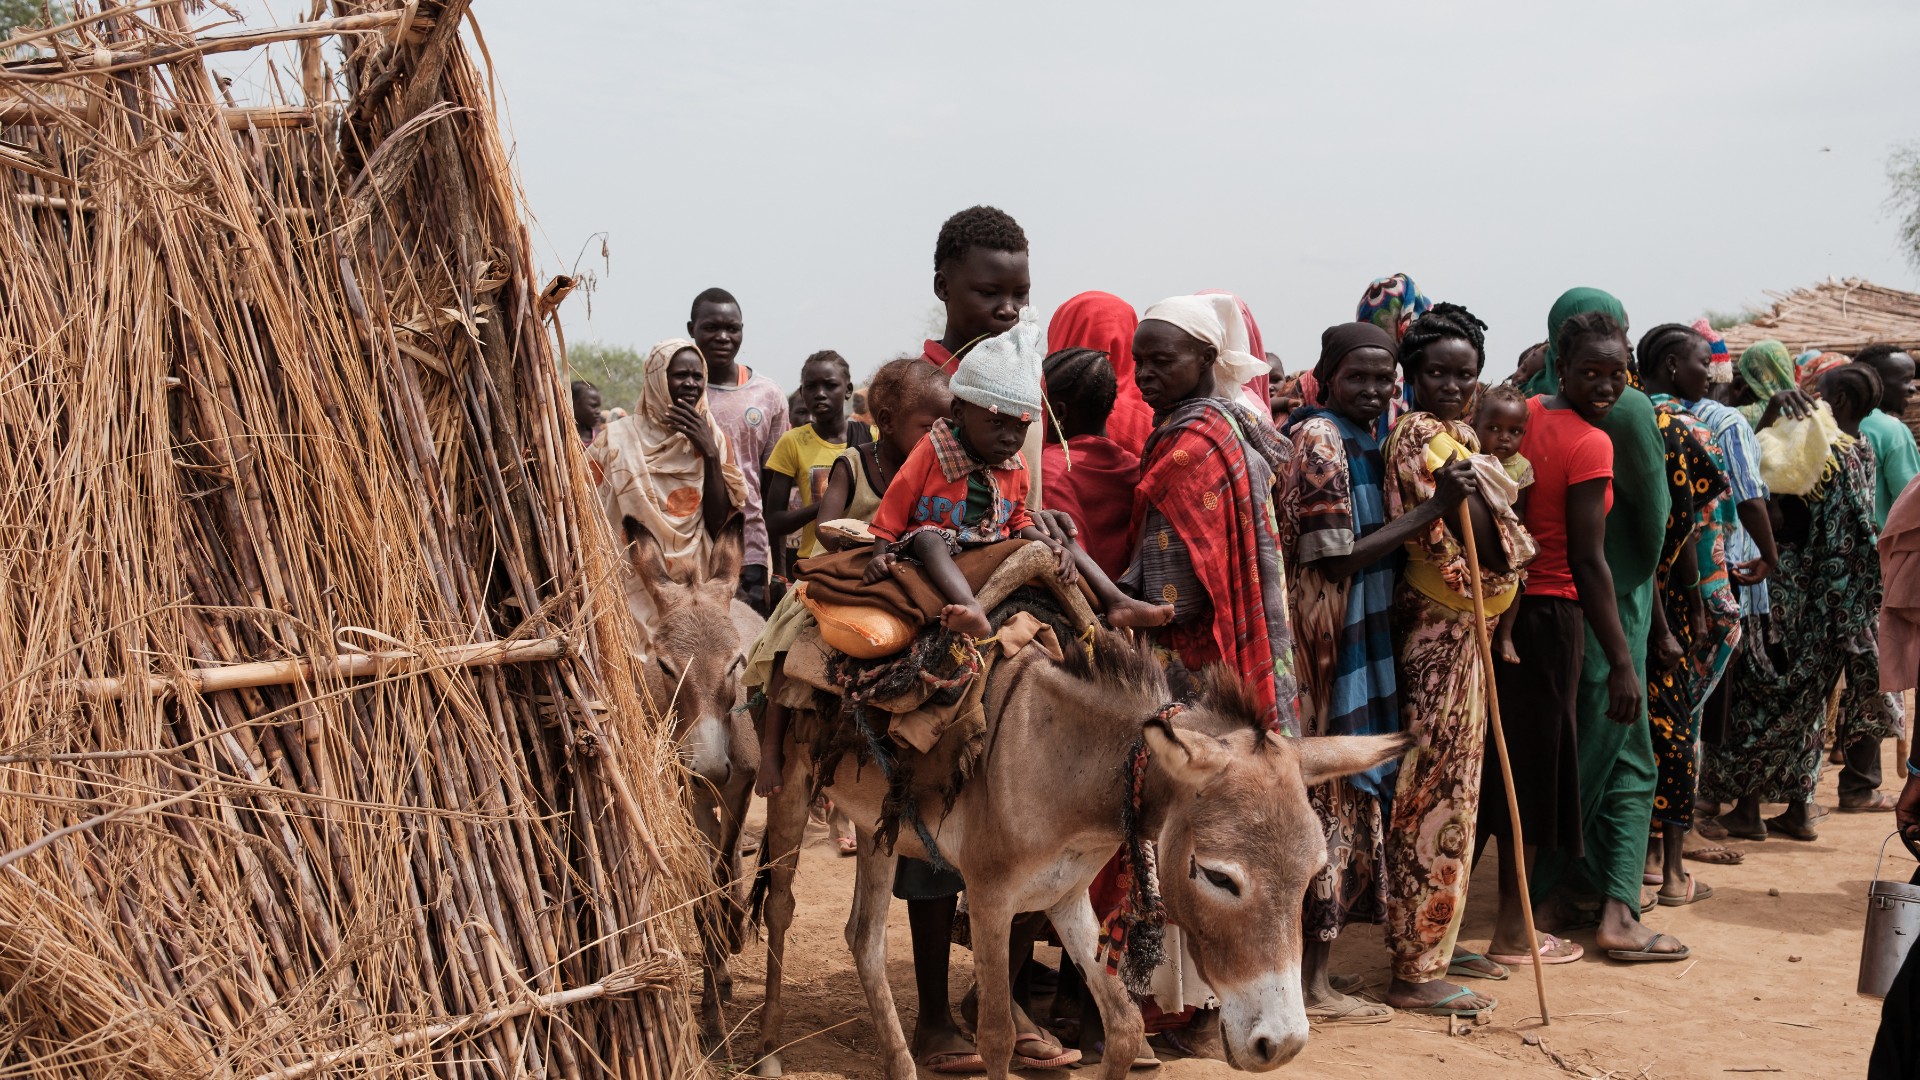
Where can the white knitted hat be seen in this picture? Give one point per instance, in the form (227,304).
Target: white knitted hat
(1003,373)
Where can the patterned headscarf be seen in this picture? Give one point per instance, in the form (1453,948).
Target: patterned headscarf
(1392,303)
(1719,362)
(1810,365)
(1767,368)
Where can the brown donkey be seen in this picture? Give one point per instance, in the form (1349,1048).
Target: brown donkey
(1225,803)
(694,647)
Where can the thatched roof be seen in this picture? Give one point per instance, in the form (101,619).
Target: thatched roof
(1838,316)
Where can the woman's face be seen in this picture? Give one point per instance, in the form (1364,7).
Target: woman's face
(1362,384)
(1594,375)
(1170,365)
(686,377)
(1449,374)
(1688,368)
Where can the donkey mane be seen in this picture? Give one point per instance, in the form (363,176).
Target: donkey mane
(1110,662)
(1222,691)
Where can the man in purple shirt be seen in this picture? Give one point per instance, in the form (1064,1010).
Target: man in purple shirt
(750,409)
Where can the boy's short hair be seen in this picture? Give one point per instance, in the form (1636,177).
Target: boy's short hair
(1505,394)
(976,227)
(1081,389)
(715,295)
(828,356)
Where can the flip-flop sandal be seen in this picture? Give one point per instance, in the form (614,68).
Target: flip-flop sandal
(1696,892)
(1439,1008)
(1059,1058)
(1756,835)
(1708,827)
(1881,801)
(1645,954)
(954,1063)
(1791,832)
(1649,899)
(1653,879)
(1550,953)
(1142,1061)
(1349,1010)
(848,845)
(1716,855)
(1461,967)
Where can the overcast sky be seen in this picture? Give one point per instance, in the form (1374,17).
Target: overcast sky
(803,155)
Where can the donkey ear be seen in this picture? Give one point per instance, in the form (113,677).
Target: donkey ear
(1191,758)
(644,557)
(729,552)
(1325,757)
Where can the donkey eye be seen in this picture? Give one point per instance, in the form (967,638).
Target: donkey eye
(1223,882)
(664,669)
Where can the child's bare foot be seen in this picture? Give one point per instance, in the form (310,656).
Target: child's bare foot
(1504,650)
(772,764)
(1138,613)
(966,619)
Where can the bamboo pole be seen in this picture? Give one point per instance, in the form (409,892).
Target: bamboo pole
(211,680)
(234,119)
(1506,766)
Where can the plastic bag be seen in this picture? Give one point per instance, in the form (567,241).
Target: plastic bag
(1793,453)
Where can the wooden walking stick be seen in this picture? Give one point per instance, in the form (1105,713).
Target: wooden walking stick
(1506,767)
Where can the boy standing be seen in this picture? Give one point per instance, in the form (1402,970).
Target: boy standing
(753,413)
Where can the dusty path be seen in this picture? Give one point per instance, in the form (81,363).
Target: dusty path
(1770,985)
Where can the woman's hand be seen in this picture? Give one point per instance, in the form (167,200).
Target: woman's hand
(879,568)
(1056,525)
(1667,652)
(1751,572)
(1794,404)
(1624,703)
(686,420)
(1453,482)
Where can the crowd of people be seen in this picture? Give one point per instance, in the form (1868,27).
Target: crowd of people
(1671,549)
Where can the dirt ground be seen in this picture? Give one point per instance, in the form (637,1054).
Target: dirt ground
(1769,989)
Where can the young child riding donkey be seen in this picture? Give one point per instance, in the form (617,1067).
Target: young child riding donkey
(1080,753)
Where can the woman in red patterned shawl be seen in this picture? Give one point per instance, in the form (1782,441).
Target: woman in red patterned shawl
(1204,511)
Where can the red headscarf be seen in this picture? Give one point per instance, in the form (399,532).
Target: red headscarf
(1258,385)
(1103,321)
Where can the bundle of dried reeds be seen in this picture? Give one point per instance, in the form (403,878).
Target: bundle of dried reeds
(320,750)
(1835,316)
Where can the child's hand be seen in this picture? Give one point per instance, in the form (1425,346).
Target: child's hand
(879,568)
(1064,569)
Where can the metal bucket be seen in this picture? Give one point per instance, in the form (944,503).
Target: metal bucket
(1893,923)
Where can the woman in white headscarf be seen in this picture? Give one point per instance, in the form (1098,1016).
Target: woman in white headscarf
(667,469)
(1217,320)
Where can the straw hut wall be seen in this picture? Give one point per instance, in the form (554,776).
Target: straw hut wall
(320,749)
(1834,316)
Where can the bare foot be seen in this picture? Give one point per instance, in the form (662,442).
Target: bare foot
(1503,649)
(1138,613)
(773,764)
(1426,995)
(966,619)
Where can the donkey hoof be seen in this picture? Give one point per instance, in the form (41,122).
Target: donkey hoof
(767,1067)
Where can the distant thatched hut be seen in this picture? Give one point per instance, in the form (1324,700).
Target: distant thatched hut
(1834,316)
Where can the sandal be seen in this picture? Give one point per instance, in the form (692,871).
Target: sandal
(1648,954)
(1553,950)
(1802,833)
(848,845)
(954,1063)
(1439,1008)
(1349,1010)
(1696,892)
(1462,967)
(1881,801)
(1035,1051)
(1715,855)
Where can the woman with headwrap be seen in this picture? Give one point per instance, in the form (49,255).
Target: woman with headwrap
(1392,304)
(666,470)
(1764,388)
(1104,322)
(1443,690)
(1257,388)
(1343,559)
(1825,598)
(1693,590)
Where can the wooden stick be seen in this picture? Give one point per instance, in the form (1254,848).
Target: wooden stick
(104,59)
(1506,766)
(211,680)
(236,119)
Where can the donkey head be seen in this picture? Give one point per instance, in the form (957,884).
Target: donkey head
(1238,845)
(694,656)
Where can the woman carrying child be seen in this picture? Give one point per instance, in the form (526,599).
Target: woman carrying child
(1429,847)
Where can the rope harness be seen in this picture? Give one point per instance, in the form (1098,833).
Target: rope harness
(1133,936)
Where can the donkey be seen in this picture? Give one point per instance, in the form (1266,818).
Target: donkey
(1225,802)
(694,651)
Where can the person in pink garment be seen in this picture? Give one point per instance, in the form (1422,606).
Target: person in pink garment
(751,409)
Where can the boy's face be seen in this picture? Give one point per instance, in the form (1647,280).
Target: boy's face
(717,329)
(1502,424)
(984,292)
(823,390)
(993,437)
(586,407)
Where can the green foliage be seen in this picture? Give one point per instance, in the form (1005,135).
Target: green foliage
(1720,320)
(1903,175)
(615,369)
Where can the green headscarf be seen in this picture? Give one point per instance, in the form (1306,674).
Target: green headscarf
(1572,302)
(1767,368)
